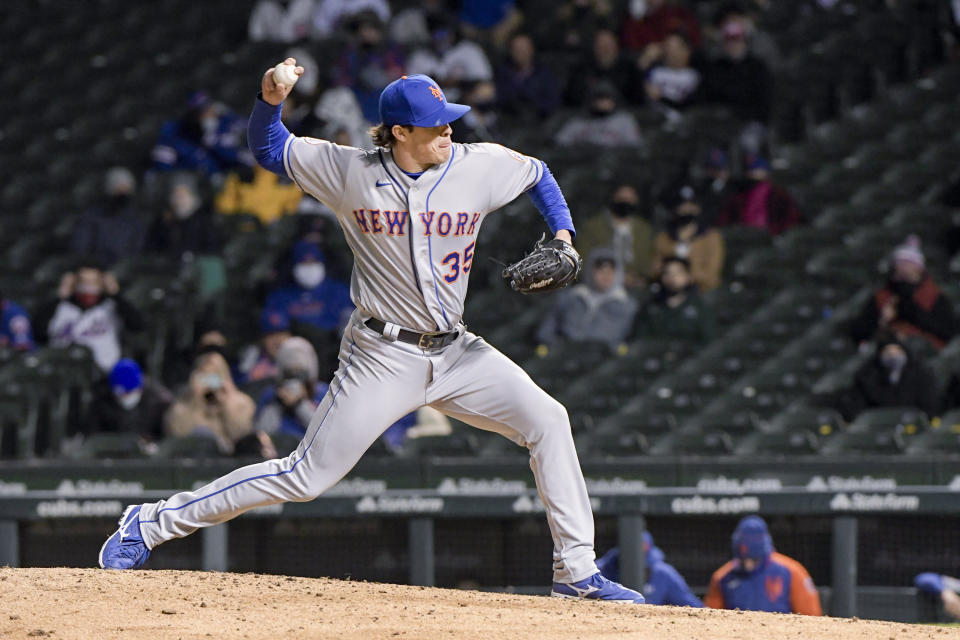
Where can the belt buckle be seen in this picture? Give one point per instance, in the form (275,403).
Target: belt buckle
(427,340)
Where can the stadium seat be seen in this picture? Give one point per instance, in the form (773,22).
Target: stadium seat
(614,444)
(878,443)
(779,443)
(942,440)
(109,446)
(819,420)
(456,444)
(714,443)
(904,420)
(199,446)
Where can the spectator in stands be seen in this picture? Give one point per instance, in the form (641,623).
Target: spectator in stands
(186,226)
(894,377)
(259,361)
(424,422)
(288,406)
(15,330)
(332,15)
(910,303)
(743,82)
(599,310)
(760,579)
(490,21)
(759,42)
(409,26)
(690,237)
(130,402)
(314,298)
(664,584)
(480,124)
(652,21)
(604,125)
(89,310)
(268,196)
(623,229)
(712,182)
(342,119)
(207,137)
(607,67)
(671,81)
(573,24)
(676,311)
(113,229)
(281,21)
(760,203)
(368,64)
(944,588)
(211,406)
(450,59)
(526,88)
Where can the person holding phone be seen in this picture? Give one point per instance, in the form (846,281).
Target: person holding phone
(211,405)
(288,406)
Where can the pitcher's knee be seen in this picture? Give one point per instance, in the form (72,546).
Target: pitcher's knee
(549,419)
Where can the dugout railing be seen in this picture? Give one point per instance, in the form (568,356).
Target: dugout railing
(422,510)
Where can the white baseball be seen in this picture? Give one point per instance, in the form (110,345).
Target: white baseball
(284,74)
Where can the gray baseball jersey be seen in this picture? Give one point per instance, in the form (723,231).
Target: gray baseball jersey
(413,240)
(413,243)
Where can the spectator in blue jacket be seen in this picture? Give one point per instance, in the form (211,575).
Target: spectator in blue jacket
(15,330)
(314,298)
(207,137)
(664,584)
(287,407)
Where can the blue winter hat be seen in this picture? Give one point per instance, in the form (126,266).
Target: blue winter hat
(126,376)
(274,320)
(751,539)
(304,249)
(419,101)
(652,552)
(758,162)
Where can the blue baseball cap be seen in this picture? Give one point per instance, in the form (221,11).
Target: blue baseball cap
(305,249)
(274,321)
(126,376)
(751,539)
(419,101)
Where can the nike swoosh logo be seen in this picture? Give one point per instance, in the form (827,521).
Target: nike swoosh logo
(383,184)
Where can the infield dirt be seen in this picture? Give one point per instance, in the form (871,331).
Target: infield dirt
(93,604)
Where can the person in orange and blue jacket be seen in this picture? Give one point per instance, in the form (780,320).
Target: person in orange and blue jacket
(760,579)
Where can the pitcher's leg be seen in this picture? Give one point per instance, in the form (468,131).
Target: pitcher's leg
(487,390)
(366,396)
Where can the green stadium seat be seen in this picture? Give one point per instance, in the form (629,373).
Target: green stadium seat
(109,446)
(942,438)
(614,444)
(736,423)
(637,420)
(714,443)
(779,443)
(874,443)
(199,446)
(456,444)
(904,420)
(819,420)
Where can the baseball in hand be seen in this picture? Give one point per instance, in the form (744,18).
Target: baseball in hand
(284,74)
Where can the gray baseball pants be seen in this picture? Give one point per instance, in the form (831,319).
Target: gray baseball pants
(378,382)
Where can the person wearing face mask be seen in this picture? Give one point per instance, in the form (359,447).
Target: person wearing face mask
(368,63)
(114,228)
(259,361)
(88,310)
(288,406)
(910,303)
(675,310)
(598,310)
(759,202)
(602,125)
(623,229)
(314,299)
(894,377)
(606,68)
(738,78)
(207,138)
(129,402)
(526,88)
(689,237)
(211,405)
(480,123)
(452,60)
(760,579)
(187,226)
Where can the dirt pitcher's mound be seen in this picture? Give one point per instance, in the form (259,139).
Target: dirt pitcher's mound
(161,605)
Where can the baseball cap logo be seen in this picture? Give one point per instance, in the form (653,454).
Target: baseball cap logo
(436,93)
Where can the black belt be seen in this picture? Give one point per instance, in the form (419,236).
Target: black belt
(422,340)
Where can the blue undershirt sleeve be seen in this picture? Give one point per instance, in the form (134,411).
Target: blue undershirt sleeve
(550,202)
(266,136)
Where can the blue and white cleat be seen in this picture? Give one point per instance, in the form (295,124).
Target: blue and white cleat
(597,587)
(125,549)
